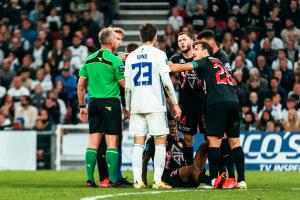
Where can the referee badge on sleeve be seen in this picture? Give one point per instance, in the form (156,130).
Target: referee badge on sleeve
(122,68)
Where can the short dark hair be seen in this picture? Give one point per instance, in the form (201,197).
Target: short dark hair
(206,34)
(147,32)
(275,78)
(186,33)
(131,47)
(204,45)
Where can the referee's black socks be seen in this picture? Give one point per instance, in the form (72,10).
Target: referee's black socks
(214,157)
(239,161)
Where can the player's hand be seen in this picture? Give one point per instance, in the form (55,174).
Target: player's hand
(177,111)
(126,114)
(83,113)
(123,56)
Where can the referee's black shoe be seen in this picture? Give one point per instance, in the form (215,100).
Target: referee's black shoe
(91,184)
(124,181)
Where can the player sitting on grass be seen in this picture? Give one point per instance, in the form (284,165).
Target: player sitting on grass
(177,173)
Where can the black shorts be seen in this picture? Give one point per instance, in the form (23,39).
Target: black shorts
(192,118)
(105,116)
(223,117)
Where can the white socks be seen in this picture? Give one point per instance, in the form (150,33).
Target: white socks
(137,162)
(159,162)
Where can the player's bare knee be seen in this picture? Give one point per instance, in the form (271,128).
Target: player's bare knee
(112,141)
(188,140)
(234,142)
(94,140)
(214,142)
(139,140)
(160,139)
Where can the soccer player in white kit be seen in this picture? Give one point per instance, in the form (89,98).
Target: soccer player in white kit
(146,73)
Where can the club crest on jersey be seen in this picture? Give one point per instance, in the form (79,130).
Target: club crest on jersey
(181,61)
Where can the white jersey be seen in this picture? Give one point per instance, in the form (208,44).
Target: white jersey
(143,69)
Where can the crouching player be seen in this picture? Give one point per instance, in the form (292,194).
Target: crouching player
(176,172)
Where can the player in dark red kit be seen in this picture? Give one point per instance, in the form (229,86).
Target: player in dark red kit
(208,36)
(223,114)
(191,96)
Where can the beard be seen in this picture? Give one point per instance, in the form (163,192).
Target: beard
(187,49)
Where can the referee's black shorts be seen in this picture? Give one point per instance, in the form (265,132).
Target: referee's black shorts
(105,116)
(223,117)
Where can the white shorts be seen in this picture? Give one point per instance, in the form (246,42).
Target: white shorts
(154,124)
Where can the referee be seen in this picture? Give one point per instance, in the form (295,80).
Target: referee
(102,72)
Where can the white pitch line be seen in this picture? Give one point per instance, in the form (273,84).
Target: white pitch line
(172,191)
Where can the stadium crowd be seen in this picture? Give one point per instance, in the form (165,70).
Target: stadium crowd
(44,43)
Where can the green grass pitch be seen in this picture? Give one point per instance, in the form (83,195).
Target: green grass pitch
(44,185)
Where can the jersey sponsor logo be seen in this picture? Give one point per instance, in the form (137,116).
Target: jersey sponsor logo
(189,77)
(108,108)
(177,154)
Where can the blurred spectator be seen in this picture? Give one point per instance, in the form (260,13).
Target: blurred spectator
(211,25)
(39,53)
(17,90)
(70,84)
(277,107)
(270,127)
(253,103)
(6,73)
(276,43)
(162,45)
(281,55)
(191,6)
(239,65)
(276,88)
(287,75)
(79,52)
(38,12)
(27,32)
(27,112)
(254,18)
(234,29)
(254,41)
(219,10)
(43,79)
(292,123)
(96,15)
(53,18)
(4,122)
(265,71)
(37,99)
(175,20)
(290,28)
(291,52)
(248,123)
(264,119)
(53,110)
(294,12)
(290,105)
(267,52)
(43,123)
(229,40)
(53,94)
(250,54)
(295,93)
(18,124)
(198,18)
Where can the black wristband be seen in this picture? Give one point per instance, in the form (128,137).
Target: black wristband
(81,106)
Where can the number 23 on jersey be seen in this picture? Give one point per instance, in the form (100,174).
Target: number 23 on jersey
(143,74)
